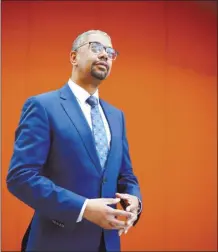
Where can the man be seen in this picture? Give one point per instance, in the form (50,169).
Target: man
(71,161)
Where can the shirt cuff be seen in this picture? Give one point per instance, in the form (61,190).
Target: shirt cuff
(82,211)
(140,206)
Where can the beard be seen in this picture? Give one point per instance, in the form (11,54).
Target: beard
(98,74)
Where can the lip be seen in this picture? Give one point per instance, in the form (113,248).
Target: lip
(102,64)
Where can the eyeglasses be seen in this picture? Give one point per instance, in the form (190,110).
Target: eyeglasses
(97,47)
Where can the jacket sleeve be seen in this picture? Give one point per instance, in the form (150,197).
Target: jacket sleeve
(127,181)
(25,178)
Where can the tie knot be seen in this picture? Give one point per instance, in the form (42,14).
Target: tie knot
(92,101)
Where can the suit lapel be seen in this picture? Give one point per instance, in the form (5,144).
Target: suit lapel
(74,112)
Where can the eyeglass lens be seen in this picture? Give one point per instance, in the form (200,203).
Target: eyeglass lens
(98,48)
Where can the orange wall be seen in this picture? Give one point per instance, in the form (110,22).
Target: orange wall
(164,80)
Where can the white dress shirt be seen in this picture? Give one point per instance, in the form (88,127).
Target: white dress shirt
(82,95)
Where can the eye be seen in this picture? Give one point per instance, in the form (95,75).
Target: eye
(111,52)
(96,47)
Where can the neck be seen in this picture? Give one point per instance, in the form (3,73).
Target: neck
(89,84)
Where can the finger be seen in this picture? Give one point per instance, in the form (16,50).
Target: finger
(131,220)
(131,208)
(117,212)
(111,201)
(121,231)
(134,212)
(118,224)
(124,230)
(127,229)
(130,224)
(123,196)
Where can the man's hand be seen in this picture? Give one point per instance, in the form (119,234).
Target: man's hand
(132,204)
(98,212)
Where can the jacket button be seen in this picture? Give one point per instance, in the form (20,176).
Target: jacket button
(104,180)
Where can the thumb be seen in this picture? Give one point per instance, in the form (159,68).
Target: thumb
(119,194)
(111,201)
(122,196)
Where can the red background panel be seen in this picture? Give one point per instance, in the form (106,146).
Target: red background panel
(165,80)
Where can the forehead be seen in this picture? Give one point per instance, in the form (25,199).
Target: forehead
(103,39)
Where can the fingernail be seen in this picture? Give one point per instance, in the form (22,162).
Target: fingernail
(125,231)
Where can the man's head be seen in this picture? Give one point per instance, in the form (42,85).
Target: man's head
(92,54)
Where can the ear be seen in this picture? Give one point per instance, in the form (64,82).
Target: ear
(73,58)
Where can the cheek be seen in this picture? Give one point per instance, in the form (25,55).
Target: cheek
(88,60)
(85,61)
(85,64)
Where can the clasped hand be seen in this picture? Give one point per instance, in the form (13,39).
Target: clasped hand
(98,212)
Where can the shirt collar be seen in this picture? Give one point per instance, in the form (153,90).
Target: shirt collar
(81,94)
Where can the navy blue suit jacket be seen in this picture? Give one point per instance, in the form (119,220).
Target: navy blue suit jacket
(55,167)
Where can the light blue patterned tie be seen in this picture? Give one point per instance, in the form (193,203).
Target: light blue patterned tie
(98,130)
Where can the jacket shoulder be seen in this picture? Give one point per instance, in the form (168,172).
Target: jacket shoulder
(46,99)
(111,107)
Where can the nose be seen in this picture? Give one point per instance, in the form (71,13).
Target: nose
(103,55)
